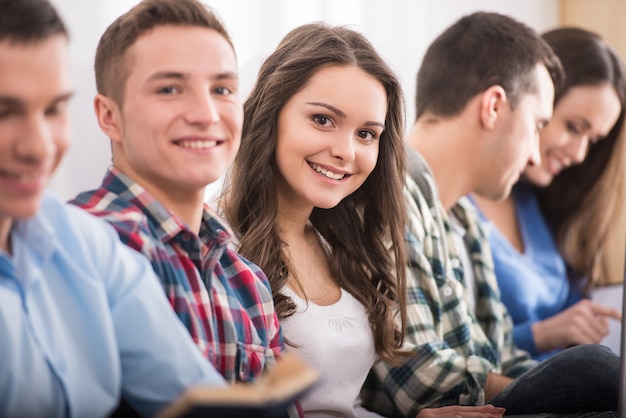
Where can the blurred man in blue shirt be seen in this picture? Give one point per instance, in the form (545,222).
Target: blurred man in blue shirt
(81,314)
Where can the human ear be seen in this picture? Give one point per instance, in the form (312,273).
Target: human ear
(492,101)
(108,115)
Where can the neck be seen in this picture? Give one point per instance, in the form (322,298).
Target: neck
(446,147)
(5,232)
(187,204)
(292,221)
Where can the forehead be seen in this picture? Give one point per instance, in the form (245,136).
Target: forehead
(598,104)
(348,88)
(187,49)
(35,71)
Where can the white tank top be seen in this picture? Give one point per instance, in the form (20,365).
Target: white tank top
(337,340)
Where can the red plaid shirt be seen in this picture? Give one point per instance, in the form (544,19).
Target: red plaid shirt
(224,300)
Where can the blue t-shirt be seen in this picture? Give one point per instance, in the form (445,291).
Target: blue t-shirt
(83,319)
(534,284)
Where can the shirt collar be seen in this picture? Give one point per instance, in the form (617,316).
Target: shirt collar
(213,228)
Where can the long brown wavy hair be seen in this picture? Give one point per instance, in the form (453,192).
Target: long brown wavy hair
(583,201)
(365,230)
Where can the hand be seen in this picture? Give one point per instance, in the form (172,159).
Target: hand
(457,411)
(583,323)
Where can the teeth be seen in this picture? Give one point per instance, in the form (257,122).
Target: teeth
(21,177)
(329,174)
(198,144)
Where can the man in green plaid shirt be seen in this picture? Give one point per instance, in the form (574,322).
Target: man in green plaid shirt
(484,92)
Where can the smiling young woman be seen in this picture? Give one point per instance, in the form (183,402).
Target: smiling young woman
(315,199)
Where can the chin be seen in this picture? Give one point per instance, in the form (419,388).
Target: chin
(26,211)
(541,181)
(326,204)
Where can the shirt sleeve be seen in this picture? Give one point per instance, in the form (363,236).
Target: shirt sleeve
(524,338)
(275,336)
(159,360)
(435,373)
(442,367)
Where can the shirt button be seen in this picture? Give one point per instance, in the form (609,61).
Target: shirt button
(447,292)
(456,263)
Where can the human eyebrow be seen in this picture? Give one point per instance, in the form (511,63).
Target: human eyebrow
(329,107)
(17,103)
(63,97)
(229,75)
(343,115)
(372,123)
(10,101)
(167,75)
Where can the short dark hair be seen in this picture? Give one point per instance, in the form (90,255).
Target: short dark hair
(110,63)
(478,51)
(25,21)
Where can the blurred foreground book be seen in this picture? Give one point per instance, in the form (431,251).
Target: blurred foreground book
(269,397)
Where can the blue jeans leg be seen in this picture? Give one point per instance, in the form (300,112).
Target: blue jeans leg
(578,379)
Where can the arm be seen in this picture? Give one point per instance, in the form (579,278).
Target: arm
(494,385)
(437,372)
(445,366)
(491,313)
(151,378)
(583,323)
(462,411)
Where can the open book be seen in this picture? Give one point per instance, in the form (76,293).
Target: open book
(270,396)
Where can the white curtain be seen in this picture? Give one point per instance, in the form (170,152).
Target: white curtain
(400,29)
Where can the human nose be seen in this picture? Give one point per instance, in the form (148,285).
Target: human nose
(37,140)
(535,152)
(202,110)
(577,149)
(343,148)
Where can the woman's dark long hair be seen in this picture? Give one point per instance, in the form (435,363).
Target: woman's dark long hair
(365,230)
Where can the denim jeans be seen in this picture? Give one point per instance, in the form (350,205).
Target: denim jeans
(578,379)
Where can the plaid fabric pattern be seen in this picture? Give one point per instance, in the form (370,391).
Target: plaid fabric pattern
(224,300)
(453,349)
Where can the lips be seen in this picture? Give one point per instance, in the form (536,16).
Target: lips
(556,165)
(327,173)
(24,182)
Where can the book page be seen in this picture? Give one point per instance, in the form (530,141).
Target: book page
(611,296)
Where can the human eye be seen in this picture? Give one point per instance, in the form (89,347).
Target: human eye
(56,109)
(322,120)
(6,112)
(168,90)
(223,91)
(572,128)
(367,136)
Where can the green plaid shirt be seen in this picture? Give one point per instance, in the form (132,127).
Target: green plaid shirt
(453,348)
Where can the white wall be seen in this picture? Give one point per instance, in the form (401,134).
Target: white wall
(400,29)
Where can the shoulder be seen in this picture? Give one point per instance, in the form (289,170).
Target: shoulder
(80,234)
(118,211)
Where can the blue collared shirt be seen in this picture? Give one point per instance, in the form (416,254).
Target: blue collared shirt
(82,320)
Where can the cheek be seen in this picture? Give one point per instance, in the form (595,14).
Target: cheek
(62,132)
(555,136)
(232,114)
(369,159)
